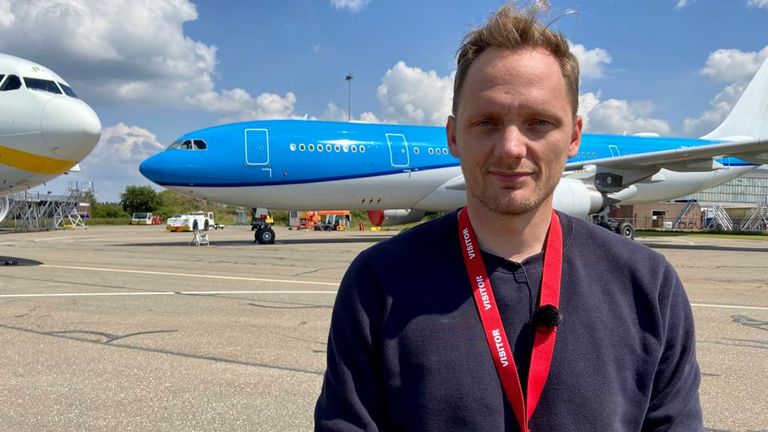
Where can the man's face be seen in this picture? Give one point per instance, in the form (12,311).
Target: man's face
(513,130)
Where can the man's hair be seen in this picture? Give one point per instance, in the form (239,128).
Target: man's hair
(510,29)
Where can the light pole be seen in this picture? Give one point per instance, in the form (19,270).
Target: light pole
(349,100)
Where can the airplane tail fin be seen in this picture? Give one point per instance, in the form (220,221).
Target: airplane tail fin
(749,117)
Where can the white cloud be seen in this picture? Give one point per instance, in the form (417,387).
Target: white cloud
(369,117)
(735,67)
(264,106)
(335,113)
(681,4)
(731,65)
(351,5)
(591,62)
(114,163)
(411,95)
(721,105)
(615,116)
(126,51)
(6,17)
(758,3)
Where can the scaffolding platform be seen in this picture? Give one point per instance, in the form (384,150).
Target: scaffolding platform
(35,211)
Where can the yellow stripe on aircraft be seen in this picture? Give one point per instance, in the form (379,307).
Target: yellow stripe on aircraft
(33,162)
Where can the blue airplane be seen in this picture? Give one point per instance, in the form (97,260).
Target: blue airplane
(399,172)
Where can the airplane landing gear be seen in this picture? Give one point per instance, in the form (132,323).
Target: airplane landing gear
(264,234)
(625,229)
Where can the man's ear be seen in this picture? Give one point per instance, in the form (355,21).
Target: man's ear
(450,131)
(573,146)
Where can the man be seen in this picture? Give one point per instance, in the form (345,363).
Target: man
(505,315)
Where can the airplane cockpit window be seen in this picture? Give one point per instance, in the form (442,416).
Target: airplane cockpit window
(68,90)
(12,83)
(190,144)
(42,85)
(1,77)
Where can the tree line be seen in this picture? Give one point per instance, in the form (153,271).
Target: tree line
(144,199)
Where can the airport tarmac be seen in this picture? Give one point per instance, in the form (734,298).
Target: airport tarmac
(130,328)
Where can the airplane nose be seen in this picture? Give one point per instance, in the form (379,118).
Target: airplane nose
(70,127)
(150,168)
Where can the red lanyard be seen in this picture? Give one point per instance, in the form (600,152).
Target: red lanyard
(501,350)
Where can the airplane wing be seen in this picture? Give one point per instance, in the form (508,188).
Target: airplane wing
(683,159)
(614,174)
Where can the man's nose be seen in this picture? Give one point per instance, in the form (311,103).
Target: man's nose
(513,143)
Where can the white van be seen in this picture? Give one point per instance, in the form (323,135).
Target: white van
(141,219)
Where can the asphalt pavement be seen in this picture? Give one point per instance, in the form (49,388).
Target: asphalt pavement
(130,328)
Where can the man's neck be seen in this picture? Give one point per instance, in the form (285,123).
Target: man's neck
(515,237)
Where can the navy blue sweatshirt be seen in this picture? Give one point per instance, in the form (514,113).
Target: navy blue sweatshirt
(407,351)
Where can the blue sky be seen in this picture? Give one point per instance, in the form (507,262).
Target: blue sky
(155,69)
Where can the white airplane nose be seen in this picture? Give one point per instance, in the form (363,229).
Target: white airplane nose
(70,127)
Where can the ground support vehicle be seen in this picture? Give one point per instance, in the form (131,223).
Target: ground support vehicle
(193,222)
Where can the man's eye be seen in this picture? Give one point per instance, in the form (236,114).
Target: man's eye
(484,123)
(540,122)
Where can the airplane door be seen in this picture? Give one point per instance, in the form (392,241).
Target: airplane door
(398,150)
(256,146)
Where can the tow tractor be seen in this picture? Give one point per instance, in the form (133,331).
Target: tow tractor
(261,223)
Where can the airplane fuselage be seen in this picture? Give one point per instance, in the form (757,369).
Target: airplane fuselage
(322,165)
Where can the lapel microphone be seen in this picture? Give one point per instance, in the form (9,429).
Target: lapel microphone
(546,318)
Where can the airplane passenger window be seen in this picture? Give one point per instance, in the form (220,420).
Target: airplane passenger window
(42,85)
(311,147)
(362,149)
(292,147)
(445,151)
(327,147)
(431,150)
(415,150)
(200,145)
(68,90)
(354,148)
(186,145)
(12,83)
(336,148)
(319,147)
(345,148)
(302,147)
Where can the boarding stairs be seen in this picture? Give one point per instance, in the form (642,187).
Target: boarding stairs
(683,213)
(200,238)
(757,219)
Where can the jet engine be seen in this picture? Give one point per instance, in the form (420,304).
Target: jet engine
(578,199)
(394,217)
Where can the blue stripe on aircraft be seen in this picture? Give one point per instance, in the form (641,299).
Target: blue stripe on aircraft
(290,182)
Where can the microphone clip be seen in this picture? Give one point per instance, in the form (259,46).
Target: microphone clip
(546,318)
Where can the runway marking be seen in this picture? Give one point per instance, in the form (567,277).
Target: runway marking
(722,306)
(192,275)
(159,293)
